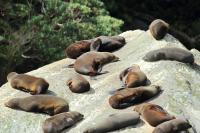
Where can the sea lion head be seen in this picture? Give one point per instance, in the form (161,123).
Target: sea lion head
(115,100)
(135,67)
(95,45)
(119,38)
(76,49)
(156,88)
(48,127)
(76,115)
(41,86)
(182,124)
(159,28)
(112,57)
(11,75)
(13,103)
(140,108)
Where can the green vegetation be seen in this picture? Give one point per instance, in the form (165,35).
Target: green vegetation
(34,33)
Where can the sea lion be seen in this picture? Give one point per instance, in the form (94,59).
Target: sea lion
(153,114)
(59,122)
(133,77)
(158,28)
(91,63)
(108,44)
(170,53)
(130,96)
(78,84)
(28,83)
(172,126)
(39,103)
(115,122)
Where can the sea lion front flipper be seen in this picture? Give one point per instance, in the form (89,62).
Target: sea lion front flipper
(69,83)
(70,66)
(95,45)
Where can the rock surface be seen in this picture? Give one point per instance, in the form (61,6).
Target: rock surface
(180,82)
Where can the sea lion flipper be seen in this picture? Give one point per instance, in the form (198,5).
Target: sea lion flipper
(95,45)
(70,66)
(113,91)
(69,82)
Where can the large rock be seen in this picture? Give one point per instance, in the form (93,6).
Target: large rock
(180,82)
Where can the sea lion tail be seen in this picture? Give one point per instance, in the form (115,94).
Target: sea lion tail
(11,75)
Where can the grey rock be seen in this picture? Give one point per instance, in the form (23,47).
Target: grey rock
(179,81)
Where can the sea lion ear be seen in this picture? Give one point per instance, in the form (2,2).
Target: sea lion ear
(95,45)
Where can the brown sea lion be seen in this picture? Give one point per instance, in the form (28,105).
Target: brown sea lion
(91,63)
(59,122)
(108,44)
(153,114)
(115,122)
(170,53)
(78,84)
(130,96)
(28,83)
(133,77)
(39,103)
(158,28)
(172,126)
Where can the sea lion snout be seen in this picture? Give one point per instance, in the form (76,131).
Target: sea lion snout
(157,87)
(77,115)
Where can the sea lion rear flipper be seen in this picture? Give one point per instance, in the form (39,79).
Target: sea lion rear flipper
(95,45)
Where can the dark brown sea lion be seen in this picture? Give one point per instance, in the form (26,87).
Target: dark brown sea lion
(91,63)
(153,114)
(59,122)
(39,103)
(172,126)
(130,96)
(28,83)
(133,77)
(158,28)
(108,44)
(115,122)
(78,84)
(170,53)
